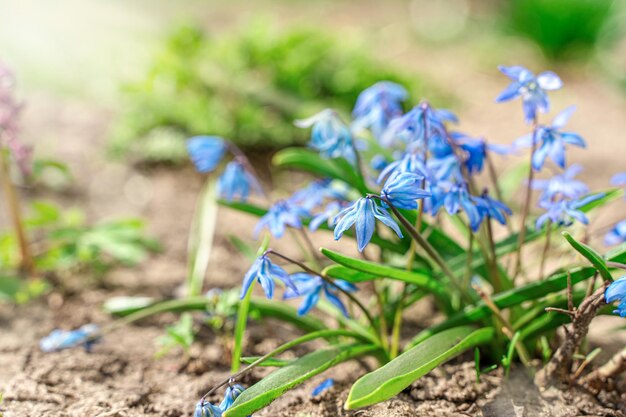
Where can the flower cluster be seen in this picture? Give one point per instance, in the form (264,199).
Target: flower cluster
(9,114)
(206,409)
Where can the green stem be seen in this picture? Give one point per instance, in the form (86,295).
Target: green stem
(240,329)
(306,338)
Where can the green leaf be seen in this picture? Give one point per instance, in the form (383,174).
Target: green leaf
(422,279)
(348,274)
(200,241)
(310,161)
(592,256)
(392,378)
(275,384)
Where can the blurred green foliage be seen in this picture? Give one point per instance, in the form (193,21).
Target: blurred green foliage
(248,86)
(561,28)
(63,242)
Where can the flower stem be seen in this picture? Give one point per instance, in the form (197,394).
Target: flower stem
(26,262)
(546,249)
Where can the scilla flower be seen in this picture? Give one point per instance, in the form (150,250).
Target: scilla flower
(562,185)
(311,288)
(619,179)
(330,136)
(616,235)
(265,272)
(410,162)
(362,214)
(206,409)
(419,125)
(206,152)
(323,387)
(476,150)
(494,209)
(236,182)
(377,105)
(551,141)
(617,292)
(403,190)
(531,89)
(231,394)
(327,215)
(565,212)
(65,339)
(458,198)
(282,214)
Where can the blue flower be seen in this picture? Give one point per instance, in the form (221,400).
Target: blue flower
(280,215)
(363,214)
(330,136)
(377,105)
(236,182)
(476,150)
(311,287)
(617,292)
(65,339)
(552,140)
(492,208)
(410,162)
(532,89)
(421,125)
(563,185)
(403,190)
(327,215)
(565,212)
(206,409)
(619,179)
(265,272)
(231,394)
(378,162)
(458,198)
(315,193)
(206,152)
(616,235)
(323,387)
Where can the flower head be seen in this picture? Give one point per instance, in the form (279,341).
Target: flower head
(617,292)
(323,387)
(237,182)
(281,214)
(330,136)
(231,394)
(377,105)
(206,152)
(410,162)
(362,214)
(531,89)
(616,235)
(475,150)
(458,198)
(565,212)
(10,109)
(313,195)
(562,185)
(65,339)
(311,287)
(492,208)
(420,125)
(403,190)
(206,409)
(551,141)
(327,215)
(265,272)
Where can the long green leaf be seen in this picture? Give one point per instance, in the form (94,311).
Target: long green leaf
(275,384)
(392,378)
(422,279)
(592,256)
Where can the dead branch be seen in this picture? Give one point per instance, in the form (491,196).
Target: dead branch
(615,366)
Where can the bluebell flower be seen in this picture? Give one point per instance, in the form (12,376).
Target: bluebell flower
(377,105)
(323,387)
(330,136)
(616,235)
(65,339)
(311,288)
(421,125)
(206,409)
(280,215)
(404,189)
(565,212)
(492,208)
(363,214)
(562,185)
(378,162)
(236,182)
(551,141)
(410,162)
(265,272)
(206,152)
(231,394)
(617,292)
(327,215)
(531,89)
(458,198)
(619,179)
(313,195)
(476,150)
